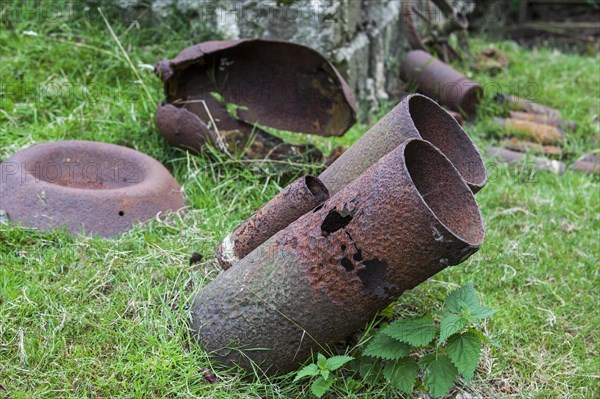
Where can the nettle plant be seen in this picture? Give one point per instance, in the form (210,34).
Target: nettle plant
(427,353)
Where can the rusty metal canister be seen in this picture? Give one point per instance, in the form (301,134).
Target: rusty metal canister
(512,157)
(440,81)
(536,132)
(323,277)
(544,119)
(416,116)
(298,198)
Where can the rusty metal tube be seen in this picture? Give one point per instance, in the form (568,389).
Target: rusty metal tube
(544,119)
(537,132)
(416,116)
(327,274)
(440,81)
(298,198)
(512,157)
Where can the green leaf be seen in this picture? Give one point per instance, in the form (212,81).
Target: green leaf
(482,312)
(439,375)
(321,361)
(464,350)
(402,374)
(335,362)
(320,386)
(417,332)
(309,371)
(451,324)
(369,370)
(383,346)
(463,298)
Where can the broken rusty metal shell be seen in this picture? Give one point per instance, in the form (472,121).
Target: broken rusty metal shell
(589,164)
(543,119)
(440,81)
(90,187)
(524,105)
(536,132)
(237,84)
(512,157)
(526,146)
(298,198)
(416,116)
(327,274)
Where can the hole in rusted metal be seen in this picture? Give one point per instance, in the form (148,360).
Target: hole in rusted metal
(358,256)
(343,247)
(372,276)
(335,221)
(121,213)
(347,264)
(318,208)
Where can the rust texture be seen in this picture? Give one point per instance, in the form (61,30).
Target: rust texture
(300,197)
(526,146)
(536,132)
(521,104)
(456,115)
(544,119)
(415,117)
(246,84)
(87,187)
(588,164)
(327,274)
(512,157)
(441,82)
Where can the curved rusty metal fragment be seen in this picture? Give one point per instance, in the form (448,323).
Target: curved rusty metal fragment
(85,186)
(416,116)
(406,218)
(243,83)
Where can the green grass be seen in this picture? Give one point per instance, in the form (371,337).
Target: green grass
(98,318)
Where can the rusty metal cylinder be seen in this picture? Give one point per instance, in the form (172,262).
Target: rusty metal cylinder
(327,274)
(512,157)
(298,198)
(416,116)
(536,132)
(440,81)
(544,119)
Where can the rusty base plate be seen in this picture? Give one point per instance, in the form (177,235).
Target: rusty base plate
(85,186)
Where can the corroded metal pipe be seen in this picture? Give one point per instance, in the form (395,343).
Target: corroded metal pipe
(544,119)
(521,104)
(440,81)
(300,197)
(327,274)
(512,157)
(537,132)
(415,117)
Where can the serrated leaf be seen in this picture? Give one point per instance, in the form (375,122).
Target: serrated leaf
(482,312)
(309,371)
(439,375)
(383,346)
(451,324)
(416,332)
(335,362)
(464,350)
(402,374)
(320,386)
(463,298)
(321,361)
